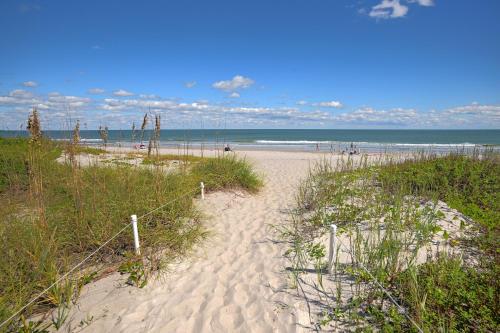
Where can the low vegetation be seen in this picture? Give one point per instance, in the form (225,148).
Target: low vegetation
(426,228)
(88,150)
(168,158)
(55,214)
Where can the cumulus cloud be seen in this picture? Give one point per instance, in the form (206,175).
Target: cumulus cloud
(426,3)
(18,97)
(476,109)
(367,116)
(148,96)
(122,93)
(301,102)
(236,83)
(15,106)
(60,102)
(30,84)
(185,112)
(330,104)
(190,84)
(95,91)
(234,95)
(119,112)
(389,9)
(21,93)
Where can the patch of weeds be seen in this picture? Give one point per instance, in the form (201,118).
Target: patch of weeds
(444,293)
(60,316)
(25,326)
(88,150)
(137,274)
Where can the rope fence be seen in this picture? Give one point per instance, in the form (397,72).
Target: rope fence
(133,223)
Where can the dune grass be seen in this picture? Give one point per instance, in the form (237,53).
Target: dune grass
(88,150)
(166,158)
(53,215)
(386,210)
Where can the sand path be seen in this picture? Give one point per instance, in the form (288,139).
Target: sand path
(232,284)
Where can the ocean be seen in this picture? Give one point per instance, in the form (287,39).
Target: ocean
(298,139)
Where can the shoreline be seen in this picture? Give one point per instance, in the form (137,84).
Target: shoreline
(197,151)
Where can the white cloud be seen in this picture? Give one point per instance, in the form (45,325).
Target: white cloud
(302,102)
(330,104)
(18,97)
(426,3)
(389,9)
(236,83)
(234,95)
(148,96)
(21,93)
(119,112)
(190,84)
(185,112)
(61,102)
(393,8)
(30,84)
(476,109)
(95,91)
(367,115)
(122,93)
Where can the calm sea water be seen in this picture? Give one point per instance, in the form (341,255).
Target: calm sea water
(334,139)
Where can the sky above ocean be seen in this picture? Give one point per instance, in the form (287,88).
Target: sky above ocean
(391,64)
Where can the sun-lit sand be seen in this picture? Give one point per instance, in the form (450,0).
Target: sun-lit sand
(234,282)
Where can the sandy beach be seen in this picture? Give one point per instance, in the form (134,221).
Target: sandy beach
(249,166)
(235,282)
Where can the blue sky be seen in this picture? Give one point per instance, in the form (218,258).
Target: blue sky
(252,64)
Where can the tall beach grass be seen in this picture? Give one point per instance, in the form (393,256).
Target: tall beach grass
(56,213)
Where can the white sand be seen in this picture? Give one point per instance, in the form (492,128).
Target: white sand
(235,282)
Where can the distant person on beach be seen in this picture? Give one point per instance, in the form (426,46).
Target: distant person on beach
(317,147)
(227,148)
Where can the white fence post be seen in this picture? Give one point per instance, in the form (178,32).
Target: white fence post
(202,186)
(133,218)
(331,255)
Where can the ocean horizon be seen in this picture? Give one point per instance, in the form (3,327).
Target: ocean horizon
(370,140)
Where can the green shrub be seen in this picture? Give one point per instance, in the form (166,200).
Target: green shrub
(226,172)
(453,298)
(468,184)
(88,150)
(166,158)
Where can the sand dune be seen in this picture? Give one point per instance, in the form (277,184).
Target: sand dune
(234,283)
